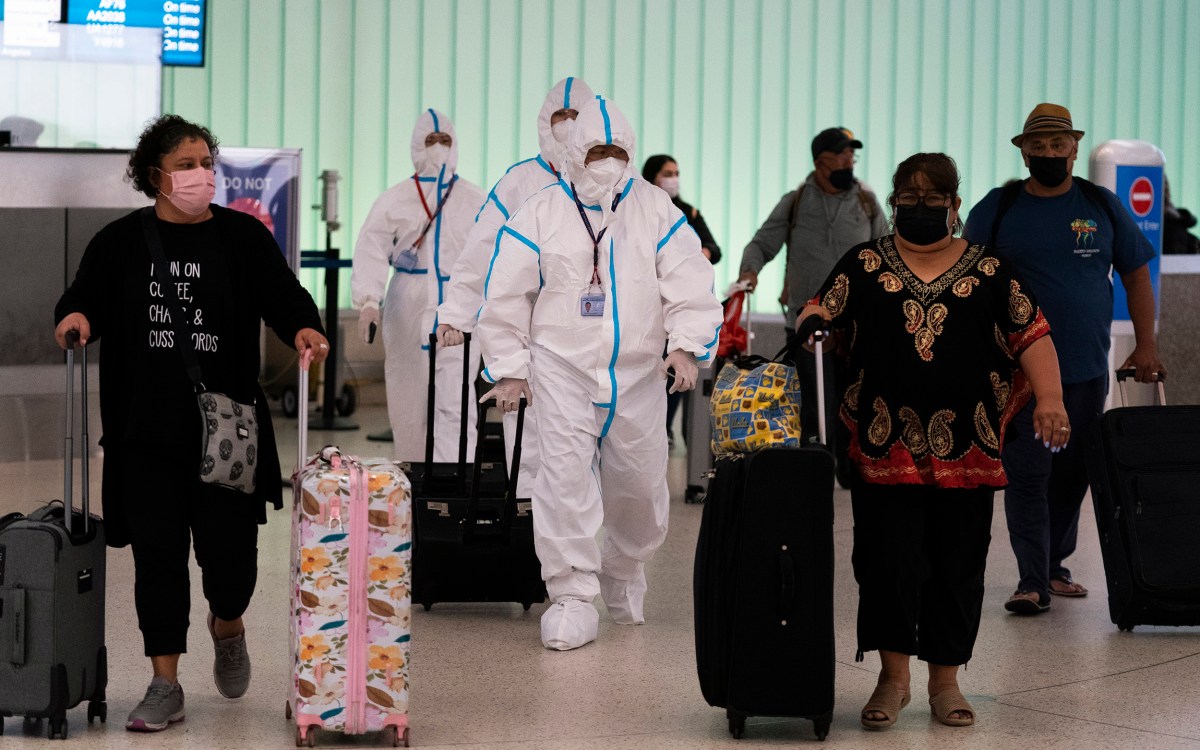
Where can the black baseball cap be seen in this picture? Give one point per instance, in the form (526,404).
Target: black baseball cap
(834,140)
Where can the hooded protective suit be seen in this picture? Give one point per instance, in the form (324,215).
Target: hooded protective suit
(598,385)
(464,295)
(414,270)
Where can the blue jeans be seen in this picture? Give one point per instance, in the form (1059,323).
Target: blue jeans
(1045,490)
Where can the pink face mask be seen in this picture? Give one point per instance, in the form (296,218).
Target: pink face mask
(192,189)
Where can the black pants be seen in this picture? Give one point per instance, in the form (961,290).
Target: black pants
(919,556)
(166,506)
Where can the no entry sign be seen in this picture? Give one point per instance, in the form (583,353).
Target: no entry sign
(1141,197)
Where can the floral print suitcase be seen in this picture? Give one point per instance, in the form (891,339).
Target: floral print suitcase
(350,597)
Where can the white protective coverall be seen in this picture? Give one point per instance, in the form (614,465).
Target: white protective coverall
(464,295)
(598,384)
(415,287)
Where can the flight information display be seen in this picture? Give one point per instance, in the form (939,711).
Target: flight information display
(181,22)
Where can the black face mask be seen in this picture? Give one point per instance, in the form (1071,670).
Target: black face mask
(1050,171)
(842,179)
(920,224)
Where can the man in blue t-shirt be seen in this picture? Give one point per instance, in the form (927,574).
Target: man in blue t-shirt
(1064,235)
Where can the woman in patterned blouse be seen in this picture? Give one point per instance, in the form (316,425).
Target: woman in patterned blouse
(945,345)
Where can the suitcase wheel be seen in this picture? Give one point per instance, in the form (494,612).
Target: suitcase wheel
(694,495)
(97,710)
(392,736)
(427,607)
(306,736)
(526,605)
(1125,627)
(57,728)
(737,724)
(821,725)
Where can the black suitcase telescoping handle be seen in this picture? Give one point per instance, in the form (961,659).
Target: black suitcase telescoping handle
(461,470)
(1128,372)
(68,439)
(818,328)
(510,493)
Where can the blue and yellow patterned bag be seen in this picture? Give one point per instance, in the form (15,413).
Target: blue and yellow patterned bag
(755,405)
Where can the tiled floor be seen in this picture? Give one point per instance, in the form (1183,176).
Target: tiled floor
(1065,679)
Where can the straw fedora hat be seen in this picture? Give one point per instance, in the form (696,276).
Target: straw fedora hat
(1047,118)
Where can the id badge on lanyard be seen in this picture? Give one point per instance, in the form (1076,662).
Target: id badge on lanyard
(591,302)
(405,260)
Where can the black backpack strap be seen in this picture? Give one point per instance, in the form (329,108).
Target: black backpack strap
(1095,194)
(1090,190)
(1008,196)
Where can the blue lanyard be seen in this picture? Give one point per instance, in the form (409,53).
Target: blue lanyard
(591,233)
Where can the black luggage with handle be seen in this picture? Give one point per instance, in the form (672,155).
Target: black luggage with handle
(473,537)
(1144,470)
(52,563)
(763,586)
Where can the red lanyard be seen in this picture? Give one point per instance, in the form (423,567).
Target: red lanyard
(432,216)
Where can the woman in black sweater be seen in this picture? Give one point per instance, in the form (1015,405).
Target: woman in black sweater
(228,276)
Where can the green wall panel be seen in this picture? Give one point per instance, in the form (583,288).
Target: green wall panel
(734,89)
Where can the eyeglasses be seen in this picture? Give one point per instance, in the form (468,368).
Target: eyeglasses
(909,199)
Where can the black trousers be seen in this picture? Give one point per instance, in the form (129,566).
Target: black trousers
(919,556)
(169,510)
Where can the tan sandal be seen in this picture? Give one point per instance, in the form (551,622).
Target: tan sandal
(885,700)
(946,703)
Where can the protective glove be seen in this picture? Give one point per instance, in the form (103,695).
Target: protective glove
(448,335)
(368,316)
(686,371)
(508,392)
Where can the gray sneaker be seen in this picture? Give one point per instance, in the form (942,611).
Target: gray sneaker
(162,706)
(231,668)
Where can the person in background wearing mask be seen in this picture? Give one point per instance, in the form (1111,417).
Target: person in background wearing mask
(663,171)
(604,237)
(407,246)
(829,213)
(945,344)
(1035,224)
(464,295)
(231,278)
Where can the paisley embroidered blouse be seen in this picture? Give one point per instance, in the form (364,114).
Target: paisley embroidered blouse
(933,372)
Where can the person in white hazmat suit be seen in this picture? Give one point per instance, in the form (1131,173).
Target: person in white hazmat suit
(408,246)
(589,279)
(464,295)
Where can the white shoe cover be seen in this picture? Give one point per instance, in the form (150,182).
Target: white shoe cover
(568,624)
(624,598)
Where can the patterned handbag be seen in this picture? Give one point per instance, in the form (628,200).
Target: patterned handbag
(230,442)
(756,404)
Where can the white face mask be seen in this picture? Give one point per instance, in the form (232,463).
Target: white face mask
(435,156)
(607,172)
(670,185)
(562,130)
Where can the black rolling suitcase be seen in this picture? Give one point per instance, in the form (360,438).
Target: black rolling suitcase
(763,586)
(52,655)
(1144,469)
(473,537)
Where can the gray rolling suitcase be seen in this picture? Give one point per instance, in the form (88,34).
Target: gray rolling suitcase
(52,655)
